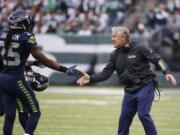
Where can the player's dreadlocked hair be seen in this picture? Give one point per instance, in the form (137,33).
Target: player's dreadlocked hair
(7,42)
(19,21)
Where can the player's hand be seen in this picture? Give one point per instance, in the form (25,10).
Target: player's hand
(83,80)
(72,71)
(170,77)
(38,64)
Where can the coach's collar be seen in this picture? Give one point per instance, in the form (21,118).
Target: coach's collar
(126,46)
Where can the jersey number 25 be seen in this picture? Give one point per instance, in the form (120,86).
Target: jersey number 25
(13,57)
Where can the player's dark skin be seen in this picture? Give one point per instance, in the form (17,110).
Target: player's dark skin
(43,59)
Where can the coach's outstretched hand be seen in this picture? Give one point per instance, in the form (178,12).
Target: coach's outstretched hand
(83,80)
(170,77)
(72,71)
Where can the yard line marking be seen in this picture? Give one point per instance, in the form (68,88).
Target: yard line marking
(100,91)
(79,101)
(88,91)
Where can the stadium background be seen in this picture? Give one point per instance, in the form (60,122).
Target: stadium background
(79,32)
(84,30)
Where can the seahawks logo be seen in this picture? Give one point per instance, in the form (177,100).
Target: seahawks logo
(131,56)
(32,40)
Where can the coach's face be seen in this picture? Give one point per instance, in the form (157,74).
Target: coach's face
(118,39)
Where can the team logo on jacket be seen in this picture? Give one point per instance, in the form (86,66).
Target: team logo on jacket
(131,56)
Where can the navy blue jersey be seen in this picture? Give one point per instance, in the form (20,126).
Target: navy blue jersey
(18,51)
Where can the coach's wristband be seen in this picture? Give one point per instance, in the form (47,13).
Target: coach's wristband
(164,67)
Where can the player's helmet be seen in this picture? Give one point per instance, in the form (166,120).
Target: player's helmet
(37,81)
(20,20)
(40,82)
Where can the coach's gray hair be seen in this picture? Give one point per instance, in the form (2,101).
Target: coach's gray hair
(121,30)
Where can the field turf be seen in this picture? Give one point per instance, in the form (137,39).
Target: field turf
(95,111)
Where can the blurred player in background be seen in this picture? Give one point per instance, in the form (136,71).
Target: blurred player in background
(16,43)
(131,61)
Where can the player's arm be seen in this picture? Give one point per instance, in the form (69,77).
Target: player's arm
(34,63)
(31,62)
(43,59)
(31,45)
(52,64)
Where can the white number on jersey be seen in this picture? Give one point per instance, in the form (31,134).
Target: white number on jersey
(15,57)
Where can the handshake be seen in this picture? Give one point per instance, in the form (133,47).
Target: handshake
(84,80)
(83,77)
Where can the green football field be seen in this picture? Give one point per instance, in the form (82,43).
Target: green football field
(95,111)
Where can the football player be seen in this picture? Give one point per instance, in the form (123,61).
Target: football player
(38,83)
(16,43)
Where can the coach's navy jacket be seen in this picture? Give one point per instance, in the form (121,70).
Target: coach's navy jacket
(132,65)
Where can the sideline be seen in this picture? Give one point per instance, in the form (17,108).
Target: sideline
(102,91)
(86,90)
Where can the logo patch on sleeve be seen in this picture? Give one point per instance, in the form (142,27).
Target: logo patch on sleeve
(32,40)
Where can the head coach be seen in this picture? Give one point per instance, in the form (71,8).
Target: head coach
(131,62)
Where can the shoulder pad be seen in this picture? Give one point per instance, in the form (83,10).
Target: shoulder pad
(5,30)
